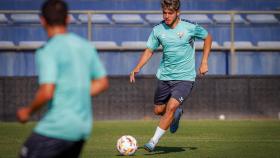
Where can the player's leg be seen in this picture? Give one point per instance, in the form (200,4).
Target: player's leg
(175,122)
(162,95)
(167,118)
(180,91)
(159,109)
(164,124)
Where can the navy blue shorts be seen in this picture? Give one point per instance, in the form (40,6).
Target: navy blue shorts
(38,146)
(178,90)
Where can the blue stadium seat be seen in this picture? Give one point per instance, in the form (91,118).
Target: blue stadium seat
(216,45)
(105,45)
(269,44)
(25,18)
(127,19)
(3,18)
(5,44)
(154,18)
(239,44)
(95,18)
(198,18)
(199,45)
(261,18)
(72,19)
(31,44)
(226,18)
(134,45)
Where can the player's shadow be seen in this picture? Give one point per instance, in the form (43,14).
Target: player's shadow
(166,150)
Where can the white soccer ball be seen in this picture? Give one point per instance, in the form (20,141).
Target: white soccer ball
(127,145)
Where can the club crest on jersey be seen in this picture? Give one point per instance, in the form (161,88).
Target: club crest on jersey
(180,34)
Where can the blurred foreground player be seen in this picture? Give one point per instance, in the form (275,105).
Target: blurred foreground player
(70,72)
(176,74)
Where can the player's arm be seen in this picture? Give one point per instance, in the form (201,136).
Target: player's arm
(99,85)
(143,60)
(42,96)
(203,69)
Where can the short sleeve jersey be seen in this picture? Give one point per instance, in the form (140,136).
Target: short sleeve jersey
(178,59)
(70,62)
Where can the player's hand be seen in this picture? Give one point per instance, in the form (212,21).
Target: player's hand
(132,75)
(23,114)
(203,69)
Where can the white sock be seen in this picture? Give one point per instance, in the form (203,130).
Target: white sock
(158,134)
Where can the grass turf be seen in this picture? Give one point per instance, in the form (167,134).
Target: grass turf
(194,139)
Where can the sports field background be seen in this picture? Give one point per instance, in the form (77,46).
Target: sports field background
(242,83)
(195,139)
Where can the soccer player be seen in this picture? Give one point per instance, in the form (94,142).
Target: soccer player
(70,72)
(176,73)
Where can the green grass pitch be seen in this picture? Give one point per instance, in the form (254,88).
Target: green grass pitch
(195,139)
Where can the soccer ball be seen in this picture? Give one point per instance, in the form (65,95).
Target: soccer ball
(127,145)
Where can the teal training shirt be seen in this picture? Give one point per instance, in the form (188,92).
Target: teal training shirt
(70,62)
(178,59)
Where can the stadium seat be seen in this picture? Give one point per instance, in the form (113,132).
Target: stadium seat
(134,45)
(127,19)
(25,18)
(154,18)
(239,44)
(72,19)
(3,18)
(6,44)
(95,18)
(105,45)
(226,18)
(261,18)
(215,45)
(31,44)
(199,45)
(269,44)
(197,18)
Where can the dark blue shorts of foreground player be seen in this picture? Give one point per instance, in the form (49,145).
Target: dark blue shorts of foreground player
(178,90)
(38,146)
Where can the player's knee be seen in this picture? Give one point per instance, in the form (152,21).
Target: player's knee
(158,111)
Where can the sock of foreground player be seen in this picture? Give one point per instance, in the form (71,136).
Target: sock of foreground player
(158,134)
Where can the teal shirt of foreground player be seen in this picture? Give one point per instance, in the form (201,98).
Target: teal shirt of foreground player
(70,63)
(178,59)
